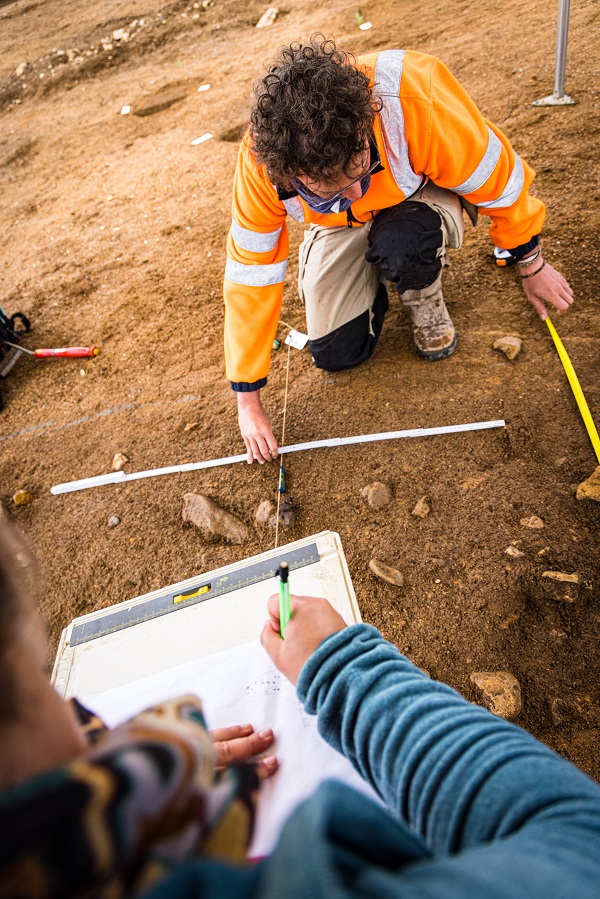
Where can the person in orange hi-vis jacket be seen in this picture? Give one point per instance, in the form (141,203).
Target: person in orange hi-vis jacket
(379,155)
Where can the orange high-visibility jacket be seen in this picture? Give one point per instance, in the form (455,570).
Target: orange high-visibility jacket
(428,127)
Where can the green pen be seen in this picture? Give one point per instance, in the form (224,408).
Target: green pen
(285,611)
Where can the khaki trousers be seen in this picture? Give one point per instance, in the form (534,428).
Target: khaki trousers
(338,286)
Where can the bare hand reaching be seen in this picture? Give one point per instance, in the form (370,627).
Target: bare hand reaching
(548,286)
(256,428)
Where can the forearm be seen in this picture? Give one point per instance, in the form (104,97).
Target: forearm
(457,774)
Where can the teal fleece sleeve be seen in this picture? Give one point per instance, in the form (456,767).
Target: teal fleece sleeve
(502,813)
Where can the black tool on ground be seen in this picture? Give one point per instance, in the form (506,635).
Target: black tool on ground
(12,328)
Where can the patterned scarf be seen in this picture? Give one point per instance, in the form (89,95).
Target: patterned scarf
(116,820)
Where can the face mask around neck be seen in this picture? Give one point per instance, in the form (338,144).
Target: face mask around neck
(323,206)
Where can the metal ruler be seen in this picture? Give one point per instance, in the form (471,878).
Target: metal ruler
(195,592)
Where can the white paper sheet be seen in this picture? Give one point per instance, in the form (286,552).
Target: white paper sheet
(242,686)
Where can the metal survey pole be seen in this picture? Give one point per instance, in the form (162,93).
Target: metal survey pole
(559,98)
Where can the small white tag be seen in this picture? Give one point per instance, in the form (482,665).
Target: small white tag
(200,140)
(297,339)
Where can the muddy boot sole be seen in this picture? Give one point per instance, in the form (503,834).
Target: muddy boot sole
(435,355)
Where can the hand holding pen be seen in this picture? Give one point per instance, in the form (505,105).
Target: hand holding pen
(311,621)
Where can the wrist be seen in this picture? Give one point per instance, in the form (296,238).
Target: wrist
(530,261)
(534,270)
(530,258)
(249,400)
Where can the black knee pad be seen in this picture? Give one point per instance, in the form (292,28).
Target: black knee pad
(403,244)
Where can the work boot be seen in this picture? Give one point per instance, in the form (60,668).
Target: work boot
(434,336)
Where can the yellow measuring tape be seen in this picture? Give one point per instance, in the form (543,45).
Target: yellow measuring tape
(576,388)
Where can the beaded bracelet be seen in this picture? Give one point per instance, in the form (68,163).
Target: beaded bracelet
(522,263)
(536,272)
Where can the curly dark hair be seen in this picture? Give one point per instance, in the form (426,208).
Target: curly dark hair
(313,112)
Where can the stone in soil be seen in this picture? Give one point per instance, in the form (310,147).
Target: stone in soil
(510,346)
(377,495)
(421,510)
(500,692)
(386,573)
(532,522)
(513,551)
(562,576)
(287,514)
(113,521)
(22,497)
(590,489)
(268,17)
(560,711)
(213,521)
(264,511)
(119,460)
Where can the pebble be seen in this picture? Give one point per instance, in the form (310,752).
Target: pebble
(377,495)
(387,573)
(264,511)
(500,692)
(590,489)
(532,522)
(113,521)
(510,346)
(22,497)
(559,711)
(20,70)
(566,597)
(287,514)
(513,551)
(421,510)
(213,521)
(268,17)
(119,461)
(191,426)
(561,576)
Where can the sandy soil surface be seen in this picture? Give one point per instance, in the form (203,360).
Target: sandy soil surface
(112,231)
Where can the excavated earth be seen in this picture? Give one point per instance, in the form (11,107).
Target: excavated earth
(112,232)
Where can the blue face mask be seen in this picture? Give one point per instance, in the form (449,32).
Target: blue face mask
(332,205)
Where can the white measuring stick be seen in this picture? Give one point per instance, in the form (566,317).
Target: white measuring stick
(119,477)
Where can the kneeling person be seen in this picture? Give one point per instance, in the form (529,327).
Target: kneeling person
(378,156)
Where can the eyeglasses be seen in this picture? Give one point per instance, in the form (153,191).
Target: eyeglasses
(316,200)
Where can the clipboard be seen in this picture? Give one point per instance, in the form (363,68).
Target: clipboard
(201,636)
(198,617)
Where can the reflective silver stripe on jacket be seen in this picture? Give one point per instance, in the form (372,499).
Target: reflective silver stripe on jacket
(512,190)
(254,241)
(388,76)
(294,208)
(485,168)
(255,275)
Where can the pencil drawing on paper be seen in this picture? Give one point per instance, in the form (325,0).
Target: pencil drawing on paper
(267,684)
